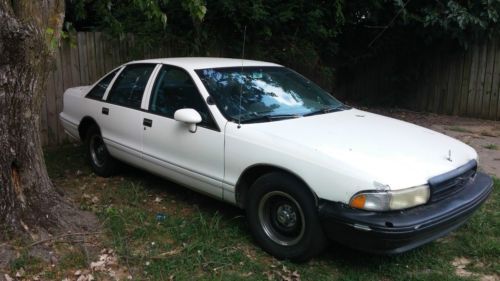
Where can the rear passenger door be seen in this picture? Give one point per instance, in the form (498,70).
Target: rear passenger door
(120,116)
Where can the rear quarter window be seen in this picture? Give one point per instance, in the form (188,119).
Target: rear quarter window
(100,88)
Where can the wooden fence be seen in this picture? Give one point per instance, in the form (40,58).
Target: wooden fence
(82,62)
(464,83)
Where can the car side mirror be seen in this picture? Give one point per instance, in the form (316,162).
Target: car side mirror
(188,116)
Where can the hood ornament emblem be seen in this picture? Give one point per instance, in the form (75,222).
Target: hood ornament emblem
(449,156)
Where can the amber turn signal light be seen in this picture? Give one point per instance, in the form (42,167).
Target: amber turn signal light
(358,201)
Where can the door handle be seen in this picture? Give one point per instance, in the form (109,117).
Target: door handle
(105,111)
(147,122)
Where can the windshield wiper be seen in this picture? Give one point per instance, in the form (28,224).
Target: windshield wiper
(327,110)
(269,118)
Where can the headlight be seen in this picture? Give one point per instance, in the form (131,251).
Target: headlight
(391,200)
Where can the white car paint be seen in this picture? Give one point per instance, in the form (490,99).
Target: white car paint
(341,153)
(336,154)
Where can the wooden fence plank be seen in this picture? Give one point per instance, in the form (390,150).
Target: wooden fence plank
(471,95)
(466,72)
(114,52)
(455,106)
(451,90)
(82,53)
(64,68)
(99,57)
(105,58)
(75,65)
(481,80)
(488,80)
(66,65)
(495,88)
(121,52)
(423,88)
(91,57)
(435,87)
(430,88)
(442,85)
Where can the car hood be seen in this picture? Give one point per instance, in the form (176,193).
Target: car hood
(393,153)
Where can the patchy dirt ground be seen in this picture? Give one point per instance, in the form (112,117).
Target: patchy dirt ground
(483,135)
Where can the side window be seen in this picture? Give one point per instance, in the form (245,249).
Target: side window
(130,84)
(174,89)
(98,91)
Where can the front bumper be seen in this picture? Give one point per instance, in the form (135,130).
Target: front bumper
(399,231)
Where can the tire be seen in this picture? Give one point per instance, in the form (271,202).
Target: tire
(283,217)
(102,163)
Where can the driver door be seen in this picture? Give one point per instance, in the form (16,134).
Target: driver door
(169,148)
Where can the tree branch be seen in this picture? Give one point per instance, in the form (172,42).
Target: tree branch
(64,235)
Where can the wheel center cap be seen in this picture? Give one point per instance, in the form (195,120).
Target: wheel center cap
(286,216)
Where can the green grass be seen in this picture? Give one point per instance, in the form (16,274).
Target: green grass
(491,146)
(26,262)
(74,258)
(201,238)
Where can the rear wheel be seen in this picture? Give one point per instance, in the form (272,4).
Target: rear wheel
(102,163)
(283,217)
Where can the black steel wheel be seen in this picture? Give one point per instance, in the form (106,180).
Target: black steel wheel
(283,217)
(102,163)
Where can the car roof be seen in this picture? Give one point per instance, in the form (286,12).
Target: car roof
(193,63)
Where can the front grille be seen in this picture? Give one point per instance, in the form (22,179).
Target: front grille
(450,183)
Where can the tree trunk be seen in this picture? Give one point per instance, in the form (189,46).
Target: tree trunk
(29,203)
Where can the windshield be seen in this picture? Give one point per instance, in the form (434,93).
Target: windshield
(272,92)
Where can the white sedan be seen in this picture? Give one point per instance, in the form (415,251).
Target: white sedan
(303,165)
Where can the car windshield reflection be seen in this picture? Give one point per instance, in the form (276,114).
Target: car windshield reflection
(267,93)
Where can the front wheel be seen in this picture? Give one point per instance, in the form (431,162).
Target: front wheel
(283,217)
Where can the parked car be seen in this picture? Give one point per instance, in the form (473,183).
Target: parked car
(304,166)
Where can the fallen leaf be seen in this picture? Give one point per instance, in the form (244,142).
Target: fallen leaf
(20,273)
(98,265)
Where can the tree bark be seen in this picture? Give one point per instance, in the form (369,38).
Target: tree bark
(29,203)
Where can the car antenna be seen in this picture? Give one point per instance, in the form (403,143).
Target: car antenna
(241,73)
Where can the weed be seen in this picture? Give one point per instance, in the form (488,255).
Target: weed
(491,146)
(75,258)
(26,262)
